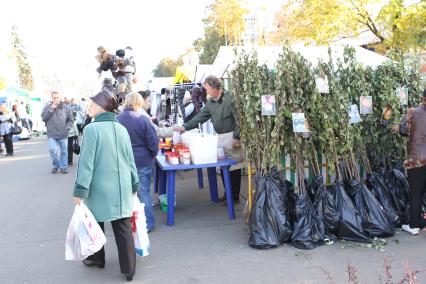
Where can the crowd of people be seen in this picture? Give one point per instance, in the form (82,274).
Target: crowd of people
(12,122)
(120,135)
(120,143)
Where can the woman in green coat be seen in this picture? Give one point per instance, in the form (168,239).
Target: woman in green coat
(107,179)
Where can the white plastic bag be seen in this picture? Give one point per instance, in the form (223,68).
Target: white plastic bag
(84,235)
(140,233)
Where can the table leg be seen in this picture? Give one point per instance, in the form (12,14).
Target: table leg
(228,192)
(171,175)
(200,178)
(211,172)
(156,176)
(163,178)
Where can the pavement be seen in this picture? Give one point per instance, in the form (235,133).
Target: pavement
(203,246)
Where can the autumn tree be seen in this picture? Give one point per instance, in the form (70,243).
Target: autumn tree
(24,68)
(397,26)
(224,25)
(167,67)
(209,46)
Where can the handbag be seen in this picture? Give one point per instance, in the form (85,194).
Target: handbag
(76,147)
(15,129)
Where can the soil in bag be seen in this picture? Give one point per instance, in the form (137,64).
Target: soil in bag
(308,229)
(378,187)
(350,221)
(375,221)
(269,224)
(312,186)
(398,185)
(326,208)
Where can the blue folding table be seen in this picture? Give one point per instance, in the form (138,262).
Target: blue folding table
(166,173)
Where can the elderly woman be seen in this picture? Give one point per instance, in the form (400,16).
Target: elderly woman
(145,147)
(107,179)
(6,119)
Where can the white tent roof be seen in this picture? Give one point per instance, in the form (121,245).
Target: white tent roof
(224,62)
(201,72)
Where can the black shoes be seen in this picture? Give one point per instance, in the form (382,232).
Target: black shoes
(54,170)
(129,277)
(64,171)
(101,264)
(91,262)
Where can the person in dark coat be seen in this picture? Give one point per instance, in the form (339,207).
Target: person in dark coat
(145,148)
(414,126)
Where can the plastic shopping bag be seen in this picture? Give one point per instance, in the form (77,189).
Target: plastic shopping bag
(84,235)
(140,233)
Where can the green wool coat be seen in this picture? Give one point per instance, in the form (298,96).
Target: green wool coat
(106,174)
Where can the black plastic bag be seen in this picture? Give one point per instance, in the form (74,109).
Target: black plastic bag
(326,208)
(312,186)
(375,221)
(308,229)
(378,187)
(289,200)
(269,223)
(350,224)
(398,185)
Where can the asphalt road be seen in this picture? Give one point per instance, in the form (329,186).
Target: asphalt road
(204,246)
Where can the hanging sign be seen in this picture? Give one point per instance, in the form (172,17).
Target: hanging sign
(354,116)
(268,105)
(322,84)
(402,94)
(300,125)
(366,104)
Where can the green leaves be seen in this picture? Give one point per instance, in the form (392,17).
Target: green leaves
(268,138)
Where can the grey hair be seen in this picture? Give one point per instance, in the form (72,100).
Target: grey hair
(213,82)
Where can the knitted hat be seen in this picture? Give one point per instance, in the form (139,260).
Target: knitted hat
(105,99)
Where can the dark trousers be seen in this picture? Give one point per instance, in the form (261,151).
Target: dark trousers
(80,129)
(125,244)
(70,147)
(7,139)
(417,181)
(235,176)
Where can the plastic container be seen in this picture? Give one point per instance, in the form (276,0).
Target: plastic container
(203,147)
(185,156)
(169,142)
(220,153)
(174,159)
(163,202)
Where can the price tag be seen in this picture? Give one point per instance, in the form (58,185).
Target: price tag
(322,84)
(268,105)
(402,93)
(354,116)
(366,104)
(300,125)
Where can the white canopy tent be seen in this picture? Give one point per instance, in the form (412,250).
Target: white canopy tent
(224,62)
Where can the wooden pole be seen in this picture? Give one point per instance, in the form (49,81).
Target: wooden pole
(249,186)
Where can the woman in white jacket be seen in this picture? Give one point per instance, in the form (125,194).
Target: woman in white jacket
(162,132)
(6,119)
